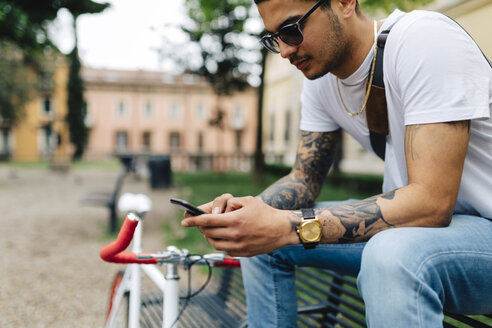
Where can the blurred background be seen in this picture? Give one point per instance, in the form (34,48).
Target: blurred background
(84,80)
(167,98)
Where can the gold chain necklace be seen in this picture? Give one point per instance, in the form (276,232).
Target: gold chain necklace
(368,91)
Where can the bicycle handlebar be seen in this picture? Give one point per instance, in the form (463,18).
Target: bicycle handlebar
(114,251)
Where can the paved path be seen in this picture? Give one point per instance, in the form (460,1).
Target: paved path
(50,271)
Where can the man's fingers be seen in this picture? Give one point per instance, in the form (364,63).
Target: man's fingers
(205,220)
(205,207)
(219,204)
(221,233)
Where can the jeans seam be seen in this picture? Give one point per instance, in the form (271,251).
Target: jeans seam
(430,258)
(275,288)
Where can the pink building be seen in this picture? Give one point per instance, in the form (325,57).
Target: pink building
(143,113)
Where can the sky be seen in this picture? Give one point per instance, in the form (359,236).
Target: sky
(123,36)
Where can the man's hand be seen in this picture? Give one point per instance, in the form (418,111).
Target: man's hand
(244,226)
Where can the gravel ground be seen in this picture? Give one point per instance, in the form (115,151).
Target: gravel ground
(50,272)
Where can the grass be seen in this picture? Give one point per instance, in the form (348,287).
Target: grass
(200,188)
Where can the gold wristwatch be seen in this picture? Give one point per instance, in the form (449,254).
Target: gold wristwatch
(309,229)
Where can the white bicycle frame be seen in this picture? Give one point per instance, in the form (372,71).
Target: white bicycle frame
(131,282)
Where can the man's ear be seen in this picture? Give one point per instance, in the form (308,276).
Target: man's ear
(345,7)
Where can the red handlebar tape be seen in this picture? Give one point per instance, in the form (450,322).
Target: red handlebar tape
(228,263)
(113,252)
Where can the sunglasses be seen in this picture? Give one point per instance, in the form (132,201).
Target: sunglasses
(290,34)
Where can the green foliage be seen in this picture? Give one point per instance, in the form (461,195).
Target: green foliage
(15,89)
(76,111)
(25,22)
(24,43)
(365,184)
(217,29)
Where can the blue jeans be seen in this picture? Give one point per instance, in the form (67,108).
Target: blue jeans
(406,276)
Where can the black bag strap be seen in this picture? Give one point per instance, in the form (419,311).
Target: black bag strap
(376,109)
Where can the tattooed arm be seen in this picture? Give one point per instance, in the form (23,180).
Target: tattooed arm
(315,155)
(435,156)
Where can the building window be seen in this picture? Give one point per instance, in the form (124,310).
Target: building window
(121,109)
(201,112)
(190,79)
(148,110)
(238,118)
(174,141)
(47,105)
(174,111)
(146,141)
(46,142)
(238,112)
(121,141)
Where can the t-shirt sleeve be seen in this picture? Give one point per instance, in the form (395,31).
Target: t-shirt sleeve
(439,70)
(314,114)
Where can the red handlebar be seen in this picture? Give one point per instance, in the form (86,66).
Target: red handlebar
(114,251)
(229,263)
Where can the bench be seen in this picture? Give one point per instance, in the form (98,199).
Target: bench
(107,199)
(325,299)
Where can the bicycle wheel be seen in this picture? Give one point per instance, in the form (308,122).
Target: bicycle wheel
(121,316)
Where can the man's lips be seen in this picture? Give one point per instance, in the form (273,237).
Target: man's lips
(300,63)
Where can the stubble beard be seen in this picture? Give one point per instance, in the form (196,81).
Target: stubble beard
(336,44)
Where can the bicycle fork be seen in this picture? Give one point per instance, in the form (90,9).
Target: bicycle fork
(171,296)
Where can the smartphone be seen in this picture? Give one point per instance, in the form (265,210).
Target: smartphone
(193,210)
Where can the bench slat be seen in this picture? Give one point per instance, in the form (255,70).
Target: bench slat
(325,299)
(468,320)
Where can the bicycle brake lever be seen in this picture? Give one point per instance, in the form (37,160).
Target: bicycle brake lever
(145,256)
(214,257)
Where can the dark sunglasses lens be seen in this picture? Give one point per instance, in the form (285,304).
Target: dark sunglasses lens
(291,35)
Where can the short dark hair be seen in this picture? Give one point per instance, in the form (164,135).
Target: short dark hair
(325,5)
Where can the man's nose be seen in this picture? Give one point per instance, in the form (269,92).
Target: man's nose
(286,50)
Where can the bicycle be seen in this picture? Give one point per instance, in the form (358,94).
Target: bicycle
(127,284)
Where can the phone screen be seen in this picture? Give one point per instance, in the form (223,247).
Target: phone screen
(184,205)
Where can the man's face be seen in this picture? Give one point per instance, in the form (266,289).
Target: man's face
(324,47)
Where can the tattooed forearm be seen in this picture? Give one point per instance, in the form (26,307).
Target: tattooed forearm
(315,154)
(289,192)
(354,222)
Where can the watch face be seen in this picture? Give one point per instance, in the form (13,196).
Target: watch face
(311,231)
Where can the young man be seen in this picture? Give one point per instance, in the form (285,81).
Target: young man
(425,243)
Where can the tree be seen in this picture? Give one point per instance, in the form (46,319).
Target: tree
(228,61)
(14,84)
(23,43)
(76,106)
(76,113)
(220,48)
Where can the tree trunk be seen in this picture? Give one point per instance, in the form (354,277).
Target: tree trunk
(259,161)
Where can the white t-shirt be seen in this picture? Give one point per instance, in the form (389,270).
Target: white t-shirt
(433,72)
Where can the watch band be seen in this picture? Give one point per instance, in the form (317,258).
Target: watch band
(308,214)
